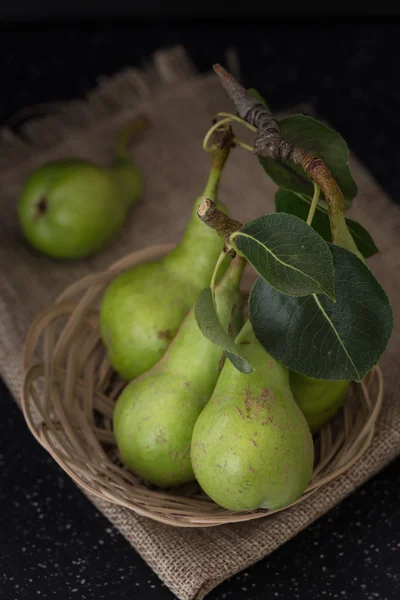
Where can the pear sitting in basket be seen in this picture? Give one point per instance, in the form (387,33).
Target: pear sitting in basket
(143,308)
(155,414)
(319,400)
(251,445)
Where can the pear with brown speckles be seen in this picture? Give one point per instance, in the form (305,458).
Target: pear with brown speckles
(143,307)
(251,446)
(155,414)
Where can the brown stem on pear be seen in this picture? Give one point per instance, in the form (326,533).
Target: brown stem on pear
(270,144)
(218,220)
(223,139)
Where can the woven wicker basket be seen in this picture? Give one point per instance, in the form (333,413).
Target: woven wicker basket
(70,389)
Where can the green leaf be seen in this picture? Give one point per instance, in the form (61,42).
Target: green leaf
(339,340)
(362,238)
(312,135)
(207,319)
(294,204)
(257,96)
(288,254)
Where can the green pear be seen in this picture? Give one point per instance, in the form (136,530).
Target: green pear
(319,400)
(70,209)
(251,446)
(155,414)
(143,307)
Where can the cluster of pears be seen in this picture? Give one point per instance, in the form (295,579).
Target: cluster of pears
(194,415)
(187,412)
(71,208)
(155,414)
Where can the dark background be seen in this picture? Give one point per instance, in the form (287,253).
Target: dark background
(53,543)
(39,10)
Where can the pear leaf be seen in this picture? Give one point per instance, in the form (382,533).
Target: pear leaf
(312,335)
(298,205)
(210,326)
(362,238)
(258,96)
(288,254)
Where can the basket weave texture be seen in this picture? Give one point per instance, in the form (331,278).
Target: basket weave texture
(69,394)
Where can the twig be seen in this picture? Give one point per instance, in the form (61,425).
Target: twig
(218,220)
(270,144)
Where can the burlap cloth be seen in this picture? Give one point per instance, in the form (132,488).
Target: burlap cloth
(180,102)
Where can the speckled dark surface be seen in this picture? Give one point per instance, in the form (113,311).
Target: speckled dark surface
(53,543)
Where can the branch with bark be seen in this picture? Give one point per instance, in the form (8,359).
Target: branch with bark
(212,216)
(270,144)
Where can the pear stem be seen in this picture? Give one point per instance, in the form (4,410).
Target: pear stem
(314,203)
(125,136)
(208,212)
(234,272)
(237,267)
(220,260)
(223,139)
